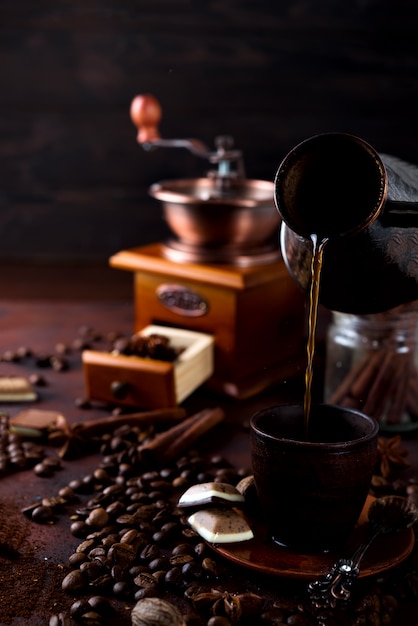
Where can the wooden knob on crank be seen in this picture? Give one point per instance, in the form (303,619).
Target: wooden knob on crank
(146,115)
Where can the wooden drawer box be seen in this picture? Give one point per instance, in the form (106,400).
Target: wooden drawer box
(148,383)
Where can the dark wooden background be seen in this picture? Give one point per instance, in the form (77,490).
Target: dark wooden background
(73,180)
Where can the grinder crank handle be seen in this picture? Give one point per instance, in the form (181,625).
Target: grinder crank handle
(146,112)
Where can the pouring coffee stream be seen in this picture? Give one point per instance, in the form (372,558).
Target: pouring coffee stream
(316,267)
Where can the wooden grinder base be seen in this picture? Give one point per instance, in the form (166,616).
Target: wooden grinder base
(256,314)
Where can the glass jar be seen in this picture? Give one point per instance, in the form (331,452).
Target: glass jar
(372,365)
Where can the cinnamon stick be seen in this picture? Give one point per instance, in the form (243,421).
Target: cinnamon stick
(173,442)
(412,396)
(349,379)
(78,435)
(412,407)
(384,385)
(375,402)
(363,382)
(145,418)
(398,399)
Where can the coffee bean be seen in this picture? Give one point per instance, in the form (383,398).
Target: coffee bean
(298,619)
(62,619)
(68,494)
(42,470)
(192,571)
(98,518)
(150,552)
(37,380)
(59,363)
(52,462)
(77,486)
(74,582)
(145,580)
(43,515)
(101,475)
(218,620)
(180,559)
(80,344)
(122,589)
(122,554)
(100,604)
(160,563)
(103,584)
(76,559)
(145,592)
(92,569)
(174,577)
(85,546)
(200,548)
(78,608)
(209,566)
(79,528)
(82,403)
(273,616)
(114,509)
(43,360)
(91,618)
(98,551)
(183,548)
(10,356)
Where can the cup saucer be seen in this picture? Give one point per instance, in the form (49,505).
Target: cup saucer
(265,556)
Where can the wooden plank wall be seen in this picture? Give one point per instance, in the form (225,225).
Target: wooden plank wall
(73,181)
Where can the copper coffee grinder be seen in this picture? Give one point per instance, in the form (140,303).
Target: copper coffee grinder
(221,271)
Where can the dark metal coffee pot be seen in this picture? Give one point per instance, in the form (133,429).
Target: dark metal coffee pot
(336,187)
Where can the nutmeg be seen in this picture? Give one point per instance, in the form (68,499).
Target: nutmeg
(156,612)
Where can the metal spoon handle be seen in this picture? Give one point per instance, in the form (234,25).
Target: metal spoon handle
(359,553)
(335,587)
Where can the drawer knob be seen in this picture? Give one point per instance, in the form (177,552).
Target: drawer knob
(119,389)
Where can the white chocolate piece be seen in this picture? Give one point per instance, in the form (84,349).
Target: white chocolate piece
(16,389)
(206,493)
(220,525)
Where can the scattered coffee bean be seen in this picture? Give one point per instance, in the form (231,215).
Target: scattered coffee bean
(75,582)
(62,619)
(38,380)
(59,363)
(43,360)
(82,403)
(219,620)
(43,470)
(43,514)
(62,348)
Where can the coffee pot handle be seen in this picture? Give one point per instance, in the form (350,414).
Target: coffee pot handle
(401,208)
(400,214)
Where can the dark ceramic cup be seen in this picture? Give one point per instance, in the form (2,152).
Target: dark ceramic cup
(312,491)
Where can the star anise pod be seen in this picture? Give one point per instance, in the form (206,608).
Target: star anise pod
(242,605)
(204,600)
(390,455)
(234,606)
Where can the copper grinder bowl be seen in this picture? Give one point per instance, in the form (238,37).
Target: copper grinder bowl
(241,218)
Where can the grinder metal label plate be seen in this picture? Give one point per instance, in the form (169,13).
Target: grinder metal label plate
(181,300)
